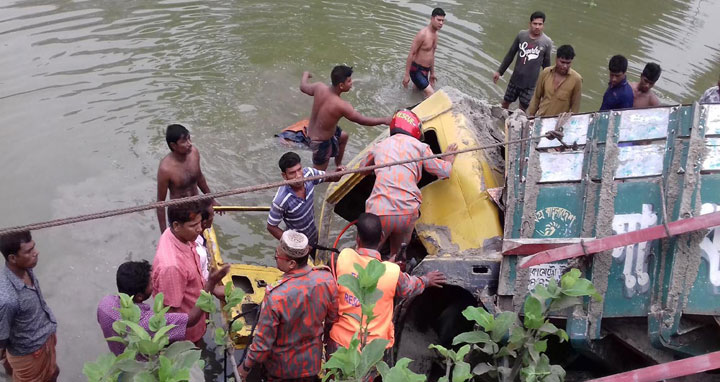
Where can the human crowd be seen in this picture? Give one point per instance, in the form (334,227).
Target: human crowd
(306,315)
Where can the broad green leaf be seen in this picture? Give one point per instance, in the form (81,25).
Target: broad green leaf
(473,337)
(400,372)
(461,372)
(237,326)
(563,302)
(177,348)
(505,372)
(127,354)
(228,288)
(370,277)
(541,346)
(489,348)
(163,331)
(148,347)
(533,313)
(353,315)
(131,313)
(482,368)
(532,351)
(557,374)
(206,302)
(517,336)
(219,336)
(503,322)
(441,349)
(352,283)
(95,371)
(166,370)
(157,322)
(371,354)
(158,302)
(504,352)
(186,359)
(461,353)
(132,366)
(480,316)
(541,293)
(570,278)
(116,339)
(119,328)
(144,377)
(543,365)
(137,330)
(443,379)
(372,298)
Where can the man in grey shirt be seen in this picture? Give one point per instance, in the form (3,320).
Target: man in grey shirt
(533,50)
(27,325)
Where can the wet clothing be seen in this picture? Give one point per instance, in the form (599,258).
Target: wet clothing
(324,150)
(531,56)
(393,283)
(711,95)
(176,273)
(38,366)
(297,213)
(550,101)
(288,336)
(420,75)
(107,314)
(26,321)
(513,93)
(396,191)
(618,97)
(402,225)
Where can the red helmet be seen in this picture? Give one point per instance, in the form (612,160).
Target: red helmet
(406,122)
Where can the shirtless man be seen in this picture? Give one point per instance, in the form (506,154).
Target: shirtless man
(326,139)
(179,171)
(420,65)
(642,91)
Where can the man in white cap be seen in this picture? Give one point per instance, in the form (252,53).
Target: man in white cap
(288,338)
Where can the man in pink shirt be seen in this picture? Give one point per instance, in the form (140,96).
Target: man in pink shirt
(176,269)
(396,198)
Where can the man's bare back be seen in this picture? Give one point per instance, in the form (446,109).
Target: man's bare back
(179,173)
(327,110)
(643,99)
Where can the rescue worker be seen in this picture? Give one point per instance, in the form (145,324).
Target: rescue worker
(393,283)
(288,338)
(396,198)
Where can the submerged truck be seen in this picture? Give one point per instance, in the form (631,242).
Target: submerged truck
(612,173)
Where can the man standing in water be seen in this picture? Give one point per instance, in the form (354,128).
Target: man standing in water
(326,139)
(420,64)
(533,49)
(643,96)
(179,172)
(559,88)
(619,94)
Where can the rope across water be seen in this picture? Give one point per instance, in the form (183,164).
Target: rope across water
(247,189)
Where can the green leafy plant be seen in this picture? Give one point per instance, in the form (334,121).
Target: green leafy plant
(515,350)
(357,361)
(147,358)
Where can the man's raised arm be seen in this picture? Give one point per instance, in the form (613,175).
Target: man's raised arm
(305,86)
(416,44)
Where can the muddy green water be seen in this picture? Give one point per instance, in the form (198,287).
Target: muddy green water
(87,88)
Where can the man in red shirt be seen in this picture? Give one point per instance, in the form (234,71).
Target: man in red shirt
(288,339)
(176,269)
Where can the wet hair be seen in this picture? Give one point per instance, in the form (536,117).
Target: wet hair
(183,213)
(175,133)
(437,12)
(618,64)
(340,74)
(206,206)
(652,71)
(369,230)
(10,244)
(566,51)
(537,15)
(288,160)
(133,277)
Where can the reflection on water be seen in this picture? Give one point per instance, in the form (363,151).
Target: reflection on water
(87,88)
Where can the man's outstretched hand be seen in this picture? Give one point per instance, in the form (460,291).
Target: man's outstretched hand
(436,279)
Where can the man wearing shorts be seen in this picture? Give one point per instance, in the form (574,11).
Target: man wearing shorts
(396,198)
(420,64)
(326,140)
(533,50)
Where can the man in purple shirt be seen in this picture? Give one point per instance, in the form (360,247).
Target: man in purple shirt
(133,279)
(619,94)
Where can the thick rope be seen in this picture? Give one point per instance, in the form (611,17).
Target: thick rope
(244,190)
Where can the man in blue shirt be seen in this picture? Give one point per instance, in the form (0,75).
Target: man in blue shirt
(619,94)
(293,204)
